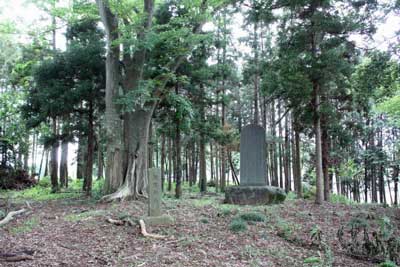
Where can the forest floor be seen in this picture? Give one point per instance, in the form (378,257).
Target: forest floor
(73,231)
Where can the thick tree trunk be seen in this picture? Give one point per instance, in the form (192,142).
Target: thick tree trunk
(113,123)
(319,198)
(325,161)
(136,156)
(64,164)
(87,182)
(54,160)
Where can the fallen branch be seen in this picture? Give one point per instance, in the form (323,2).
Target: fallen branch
(10,216)
(18,256)
(146,234)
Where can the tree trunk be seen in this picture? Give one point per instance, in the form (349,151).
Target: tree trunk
(80,159)
(41,163)
(33,167)
(54,160)
(113,123)
(288,180)
(169,164)
(318,146)
(203,166)
(178,169)
(162,161)
(64,164)
(325,160)
(87,182)
(100,162)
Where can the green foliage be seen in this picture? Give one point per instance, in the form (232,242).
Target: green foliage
(238,225)
(44,182)
(312,260)
(340,199)
(253,217)
(388,263)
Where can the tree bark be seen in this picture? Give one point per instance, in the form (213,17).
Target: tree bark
(87,182)
(203,166)
(162,161)
(325,160)
(318,146)
(64,164)
(54,159)
(113,123)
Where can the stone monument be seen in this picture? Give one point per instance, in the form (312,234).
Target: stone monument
(155,216)
(253,189)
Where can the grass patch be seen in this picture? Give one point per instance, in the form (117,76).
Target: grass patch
(26,227)
(201,202)
(238,225)
(84,215)
(387,264)
(42,191)
(39,193)
(340,199)
(253,217)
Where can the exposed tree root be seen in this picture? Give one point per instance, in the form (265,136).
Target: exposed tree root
(123,193)
(146,234)
(10,216)
(142,227)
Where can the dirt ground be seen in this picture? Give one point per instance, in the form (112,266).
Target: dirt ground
(75,232)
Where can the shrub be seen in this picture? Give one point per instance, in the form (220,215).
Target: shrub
(238,225)
(252,217)
(388,264)
(44,182)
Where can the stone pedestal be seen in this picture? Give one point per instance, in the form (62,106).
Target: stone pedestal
(253,189)
(155,216)
(254,195)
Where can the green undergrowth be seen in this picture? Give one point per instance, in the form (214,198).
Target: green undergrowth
(84,215)
(42,191)
(238,225)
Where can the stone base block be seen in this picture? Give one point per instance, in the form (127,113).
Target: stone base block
(254,195)
(159,220)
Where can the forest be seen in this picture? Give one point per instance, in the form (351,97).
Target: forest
(200,133)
